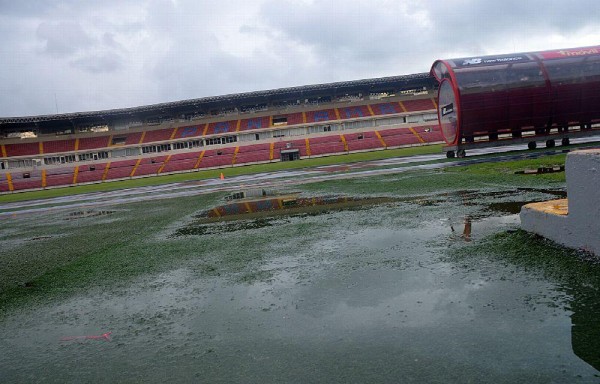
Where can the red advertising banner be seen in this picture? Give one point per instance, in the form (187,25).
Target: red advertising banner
(575,52)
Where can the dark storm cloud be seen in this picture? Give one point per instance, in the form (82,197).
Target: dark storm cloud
(119,53)
(383,33)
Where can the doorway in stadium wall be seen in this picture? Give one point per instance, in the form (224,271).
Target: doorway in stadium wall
(290,155)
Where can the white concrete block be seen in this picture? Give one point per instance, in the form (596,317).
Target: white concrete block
(580,228)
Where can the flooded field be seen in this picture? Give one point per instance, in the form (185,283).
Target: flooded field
(391,279)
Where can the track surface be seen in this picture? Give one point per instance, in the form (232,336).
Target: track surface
(274,179)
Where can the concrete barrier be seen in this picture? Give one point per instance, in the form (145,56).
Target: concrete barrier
(572,222)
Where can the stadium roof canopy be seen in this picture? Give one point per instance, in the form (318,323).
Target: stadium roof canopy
(235,100)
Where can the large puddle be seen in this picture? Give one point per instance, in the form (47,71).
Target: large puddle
(326,289)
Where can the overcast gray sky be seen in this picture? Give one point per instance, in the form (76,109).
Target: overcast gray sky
(81,55)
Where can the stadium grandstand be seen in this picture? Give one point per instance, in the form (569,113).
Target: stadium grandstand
(223,131)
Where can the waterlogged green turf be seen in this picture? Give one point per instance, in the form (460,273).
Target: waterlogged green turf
(58,251)
(435,285)
(227,172)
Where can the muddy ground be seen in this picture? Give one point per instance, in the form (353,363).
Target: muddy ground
(433,283)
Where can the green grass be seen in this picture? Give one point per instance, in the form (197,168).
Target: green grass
(508,168)
(215,173)
(49,255)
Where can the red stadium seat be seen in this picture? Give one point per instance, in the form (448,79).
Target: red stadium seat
(22,149)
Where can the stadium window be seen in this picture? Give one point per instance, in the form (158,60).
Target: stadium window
(26,175)
(279,120)
(92,168)
(119,140)
(257,136)
(360,136)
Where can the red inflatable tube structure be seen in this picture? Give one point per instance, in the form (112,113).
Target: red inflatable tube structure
(509,95)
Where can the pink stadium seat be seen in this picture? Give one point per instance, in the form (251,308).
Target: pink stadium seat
(386,108)
(22,149)
(21,182)
(93,142)
(133,138)
(175,165)
(59,146)
(418,105)
(430,134)
(326,148)
(212,158)
(149,166)
(221,127)
(90,173)
(256,123)
(4,183)
(363,141)
(250,157)
(120,169)
(61,176)
(192,131)
(321,115)
(252,153)
(399,137)
(158,135)
(294,118)
(354,111)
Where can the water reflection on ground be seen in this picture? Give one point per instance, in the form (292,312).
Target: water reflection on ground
(371,296)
